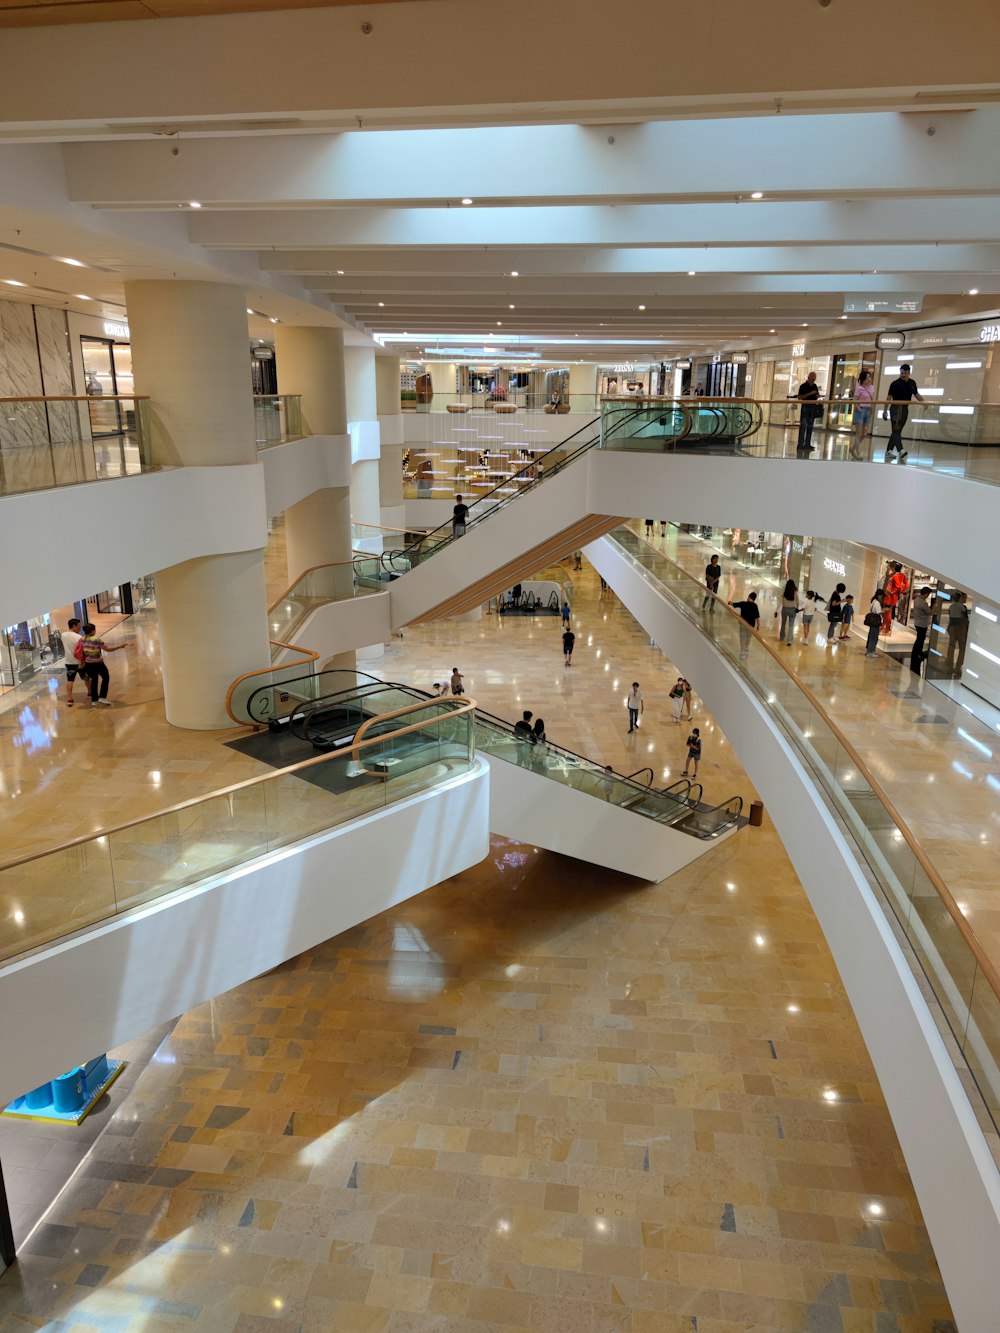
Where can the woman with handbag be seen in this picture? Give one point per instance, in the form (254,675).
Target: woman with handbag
(873,623)
(864,397)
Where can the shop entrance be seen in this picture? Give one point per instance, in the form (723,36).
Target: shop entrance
(844,373)
(107,368)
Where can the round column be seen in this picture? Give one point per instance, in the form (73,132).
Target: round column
(362,419)
(310,362)
(189,354)
(390,424)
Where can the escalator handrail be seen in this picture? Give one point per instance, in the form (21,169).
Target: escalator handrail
(723,805)
(445,529)
(632,776)
(970,938)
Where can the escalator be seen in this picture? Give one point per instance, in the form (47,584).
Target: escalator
(327,712)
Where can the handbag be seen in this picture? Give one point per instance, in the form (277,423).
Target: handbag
(871,620)
(78,650)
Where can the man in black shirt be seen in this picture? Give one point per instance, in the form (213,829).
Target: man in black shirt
(713,572)
(525,738)
(458,516)
(900,393)
(809,412)
(569,638)
(749,615)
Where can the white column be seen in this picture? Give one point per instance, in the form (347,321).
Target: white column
(390,425)
(363,424)
(310,362)
(189,354)
(443,379)
(582,380)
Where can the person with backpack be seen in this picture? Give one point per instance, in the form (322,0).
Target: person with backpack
(74,664)
(459,516)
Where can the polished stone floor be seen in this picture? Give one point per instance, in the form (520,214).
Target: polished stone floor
(536,1097)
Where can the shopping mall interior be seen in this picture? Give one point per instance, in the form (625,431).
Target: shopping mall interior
(539,917)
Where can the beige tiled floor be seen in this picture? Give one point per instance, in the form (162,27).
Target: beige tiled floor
(537,1097)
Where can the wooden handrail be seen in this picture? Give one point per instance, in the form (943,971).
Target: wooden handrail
(307,656)
(970,937)
(464,705)
(81,398)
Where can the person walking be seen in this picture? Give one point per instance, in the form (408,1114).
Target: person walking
(565,614)
(920,615)
(789,610)
(74,667)
(864,397)
(649,529)
(515,596)
(693,754)
(809,611)
(456,681)
(846,617)
(569,638)
(677,699)
(524,738)
(90,651)
(809,413)
(634,703)
(958,632)
(900,393)
(663,527)
(873,623)
(459,516)
(749,615)
(713,573)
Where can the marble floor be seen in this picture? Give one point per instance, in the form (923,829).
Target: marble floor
(536,1097)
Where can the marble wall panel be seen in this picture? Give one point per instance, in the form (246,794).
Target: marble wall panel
(57,371)
(20,374)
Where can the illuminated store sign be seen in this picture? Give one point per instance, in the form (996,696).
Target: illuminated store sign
(834,567)
(891,341)
(990,333)
(798,349)
(114,328)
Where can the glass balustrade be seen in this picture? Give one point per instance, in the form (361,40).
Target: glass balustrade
(963,978)
(46,442)
(522,401)
(48,896)
(277,418)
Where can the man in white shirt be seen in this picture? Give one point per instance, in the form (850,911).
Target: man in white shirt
(73,668)
(635,706)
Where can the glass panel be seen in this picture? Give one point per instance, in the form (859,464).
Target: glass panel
(277,418)
(44,898)
(940,943)
(55,894)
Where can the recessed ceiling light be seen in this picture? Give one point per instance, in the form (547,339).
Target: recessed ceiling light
(79,296)
(13,282)
(499,323)
(772,330)
(757,194)
(76,263)
(973,291)
(381,304)
(510,307)
(691,273)
(193,203)
(805,326)
(841,316)
(340,272)
(273,320)
(642,307)
(514,273)
(467,202)
(249,311)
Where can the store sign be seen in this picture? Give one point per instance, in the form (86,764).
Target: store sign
(798,349)
(624,368)
(684,365)
(834,567)
(900,303)
(263,353)
(990,333)
(115,328)
(739,358)
(890,342)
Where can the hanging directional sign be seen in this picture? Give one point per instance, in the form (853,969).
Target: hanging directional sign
(896,303)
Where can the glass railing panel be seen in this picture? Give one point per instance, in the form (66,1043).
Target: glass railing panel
(55,894)
(277,418)
(524,401)
(167,852)
(69,888)
(982,1042)
(46,442)
(947,950)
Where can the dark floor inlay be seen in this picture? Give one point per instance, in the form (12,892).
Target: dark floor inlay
(50,1240)
(248,1215)
(430,1030)
(182,1133)
(91,1275)
(458,1056)
(728,1218)
(774,1053)
(224,1116)
(352,1183)
(290,1127)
